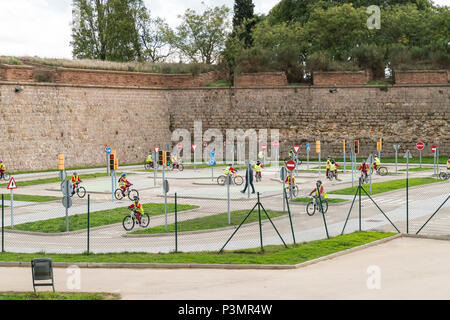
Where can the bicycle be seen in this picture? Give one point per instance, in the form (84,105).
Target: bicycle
(176,165)
(237,180)
(444,175)
(5,176)
(258,176)
(331,175)
(382,171)
(364,178)
(315,205)
(130,220)
(130,193)
(80,191)
(294,192)
(148,165)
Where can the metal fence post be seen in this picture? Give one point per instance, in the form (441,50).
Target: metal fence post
(290,217)
(260,226)
(176,224)
(88,222)
(3,223)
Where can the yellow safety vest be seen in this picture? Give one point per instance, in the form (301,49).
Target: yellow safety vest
(328,164)
(257,167)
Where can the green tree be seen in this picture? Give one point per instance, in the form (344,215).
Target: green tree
(243,14)
(201,37)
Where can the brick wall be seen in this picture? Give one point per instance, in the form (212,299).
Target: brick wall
(421,77)
(341,78)
(260,79)
(16,73)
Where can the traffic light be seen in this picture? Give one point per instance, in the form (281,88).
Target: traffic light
(160,157)
(378,146)
(381,143)
(356,146)
(317,146)
(343,145)
(112,161)
(116,164)
(60,162)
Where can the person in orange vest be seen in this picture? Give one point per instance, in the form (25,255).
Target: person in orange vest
(124,183)
(136,206)
(75,181)
(364,168)
(2,169)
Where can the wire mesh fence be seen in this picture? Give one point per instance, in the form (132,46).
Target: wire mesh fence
(227,219)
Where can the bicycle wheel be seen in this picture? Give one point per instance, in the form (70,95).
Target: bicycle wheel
(171,166)
(443,176)
(81,192)
(324,206)
(147,166)
(330,176)
(310,209)
(180,167)
(128,223)
(6,176)
(238,180)
(118,194)
(133,193)
(383,171)
(295,192)
(221,180)
(145,220)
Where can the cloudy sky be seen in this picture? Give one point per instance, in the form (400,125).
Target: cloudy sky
(42,27)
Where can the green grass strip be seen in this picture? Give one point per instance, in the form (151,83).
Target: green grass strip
(57,179)
(57,296)
(31,198)
(329,200)
(386,186)
(416,169)
(97,218)
(274,254)
(211,222)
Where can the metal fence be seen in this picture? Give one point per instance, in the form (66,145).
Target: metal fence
(230,220)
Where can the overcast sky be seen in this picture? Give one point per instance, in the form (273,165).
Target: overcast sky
(42,27)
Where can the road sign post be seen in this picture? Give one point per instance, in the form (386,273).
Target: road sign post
(343,149)
(308,149)
(433,150)
(290,166)
(264,149)
(276,145)
(318,151)
(66,200)
(283,175)
(407,156)
(11,186)
(420,146)
(396,148)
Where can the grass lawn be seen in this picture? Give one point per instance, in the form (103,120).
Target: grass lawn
(274,254)
(97,218)
(329,200)
(57,296)
(30,198)
(57,179)
(211,222)
(219,83)
(381,187)
(416,169)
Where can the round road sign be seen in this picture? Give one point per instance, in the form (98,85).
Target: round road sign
(420,145)
(433,149)
(67,201)
(264,147)
(290,165)
(276,144)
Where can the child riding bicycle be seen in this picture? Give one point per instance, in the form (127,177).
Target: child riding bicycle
(137,208)
(75,181)
(229,170)
(149,159)
(319,191)
(124,184)
(258,166)
(2,169)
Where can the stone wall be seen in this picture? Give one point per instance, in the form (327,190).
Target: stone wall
(42,121)
(260,79)
(421,77)
(333,78)
(402,115)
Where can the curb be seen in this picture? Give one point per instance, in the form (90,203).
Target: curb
(90,265)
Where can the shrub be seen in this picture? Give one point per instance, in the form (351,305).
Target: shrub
(370,57)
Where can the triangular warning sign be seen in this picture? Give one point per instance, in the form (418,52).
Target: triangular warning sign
(296,149)
(12,184)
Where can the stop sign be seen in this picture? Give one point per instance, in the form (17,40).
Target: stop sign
(433,149)
(420,145)
(276,144)
(290,165)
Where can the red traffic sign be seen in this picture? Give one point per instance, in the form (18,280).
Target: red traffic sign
(264,147)
(205,144)
(180,147)
(194,146)
(276,144)
(12,184)
(290,165)
(433,149)
(420,145)
(296,149)
(156,149)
